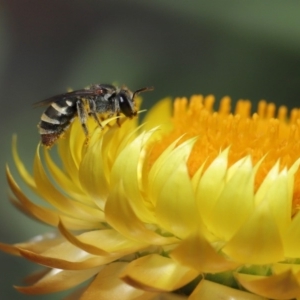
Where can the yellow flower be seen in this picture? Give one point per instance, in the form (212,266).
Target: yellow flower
(197,205)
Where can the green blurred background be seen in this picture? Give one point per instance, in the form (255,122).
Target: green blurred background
(245,49)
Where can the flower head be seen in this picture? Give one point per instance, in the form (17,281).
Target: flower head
(198,203)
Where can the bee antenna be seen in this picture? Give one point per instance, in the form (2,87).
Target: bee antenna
(145,89)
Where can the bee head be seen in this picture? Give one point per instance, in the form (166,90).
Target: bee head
(126,104)
(126,101)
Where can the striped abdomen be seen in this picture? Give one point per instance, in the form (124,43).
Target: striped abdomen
(56,119)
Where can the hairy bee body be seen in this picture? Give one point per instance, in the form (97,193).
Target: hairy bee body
(98,99)
(55,120)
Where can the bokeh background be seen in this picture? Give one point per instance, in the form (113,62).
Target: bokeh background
(245,49)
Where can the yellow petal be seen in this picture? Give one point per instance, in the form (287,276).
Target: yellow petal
(10,249)
(291,239)
(64,181)
(156,168)
(120,215)
(211,185)
(27,178)
(93,171)
(35,277)
(236,201)
(77,224)
(41,242)
(41,213)
(275,190)
(100,242)
(76,140)
(281,286)
(291,178)
(279,201)
(51,194)
(208,290)
(258,241)
(46,215)
(157,273)
(128,162)
(285,267)
(108,286)
(111,241)
(170,296)
(267,183)
(37,244)
(116,138)
(74,260)
(76,242)
(197,253)
(58,280)
(175,207)
(196,178)
(159,115)
(70,160)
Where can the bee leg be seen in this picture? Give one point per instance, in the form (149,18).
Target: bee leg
(82,114)
(118,119)
(117,111)
(92,112)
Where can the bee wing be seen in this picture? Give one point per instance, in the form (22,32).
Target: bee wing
(71,95)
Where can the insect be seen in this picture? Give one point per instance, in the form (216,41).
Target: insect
(97,99)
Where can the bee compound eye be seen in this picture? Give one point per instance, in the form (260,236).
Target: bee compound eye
(126,105)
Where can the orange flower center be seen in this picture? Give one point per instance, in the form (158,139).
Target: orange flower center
(260,135)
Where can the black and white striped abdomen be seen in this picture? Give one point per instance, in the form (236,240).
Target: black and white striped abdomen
(56,119)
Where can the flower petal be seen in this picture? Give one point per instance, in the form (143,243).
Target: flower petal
(76,242)
(207,290)
(65,182)
(275,190)
(71,155)
(258,241)
(101,242)
(279,201)
(58,280)
(117,138)
(44,214)
(175,207)
(41,213)
(111,241)
(159,115)
(197,253)
(41,242)
(267,183)
(93,170)
(281,286)
(67,256)
(284,267)
(156,168)
(157,273)
(27,178)
(291,238)
(10,249)
(107,286)
(128,162)
(291,178)
(120,215)
(36,276)
(51,194)
(236,201)
(211,185)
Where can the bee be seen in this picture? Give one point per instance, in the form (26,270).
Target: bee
(95,100)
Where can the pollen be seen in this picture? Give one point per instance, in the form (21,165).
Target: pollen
(268,135)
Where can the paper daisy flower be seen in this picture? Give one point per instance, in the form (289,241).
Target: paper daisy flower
(191,204)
